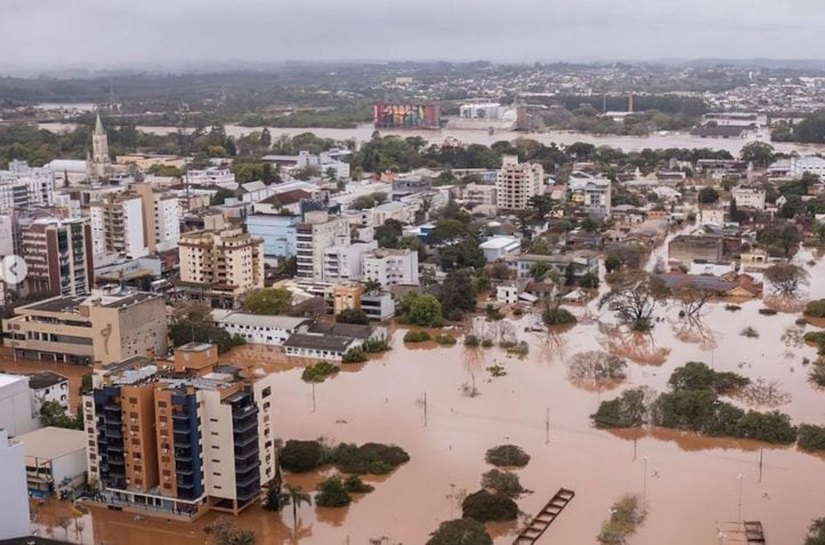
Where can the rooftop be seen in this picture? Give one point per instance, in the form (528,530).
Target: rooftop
(44,379)
(52,443)
(320,342)
(243,318)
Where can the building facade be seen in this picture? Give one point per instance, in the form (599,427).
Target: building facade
(517,182)
(117,222)
(226,263)
(14,496)
(593,194)
(391,267)
(180,442)
(102,327)
(313,237)
(58,255)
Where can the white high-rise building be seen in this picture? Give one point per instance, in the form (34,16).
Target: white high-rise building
(391,267)
(14,494)
(22,186)
(161,217)
(593,193)
(118,226)
(517,182)
(313,237)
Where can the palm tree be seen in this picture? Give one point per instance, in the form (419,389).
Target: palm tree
(295,495)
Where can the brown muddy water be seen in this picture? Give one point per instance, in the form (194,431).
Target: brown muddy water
(690,483)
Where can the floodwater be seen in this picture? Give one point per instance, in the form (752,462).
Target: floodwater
(363,133)
(690,483)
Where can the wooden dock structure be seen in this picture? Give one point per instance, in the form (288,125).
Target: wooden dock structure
(533,531)
(749,532)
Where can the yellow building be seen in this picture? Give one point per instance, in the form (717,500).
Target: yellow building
(100,328)
(221,264)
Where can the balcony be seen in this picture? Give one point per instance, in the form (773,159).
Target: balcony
(245,452)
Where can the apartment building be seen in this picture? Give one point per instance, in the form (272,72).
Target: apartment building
(180,441)
(749,197)
(161,217)
(58,255)
(312,237)
(344,262)
(117,225)
(517,182)
(222,264)
(22,186)
(212,176)
(391,267)
(102,327)
(593,194)
(479,195)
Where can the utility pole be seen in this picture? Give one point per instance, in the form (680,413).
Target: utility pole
(739,478)
(644,481)
(425,409)
(547,427)
(313,397)
(761,456)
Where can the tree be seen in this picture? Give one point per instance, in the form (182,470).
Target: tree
(54,414)
(266,139)
(268,301)
(816,533)
(295,496)
(782,236)
(192,322)
(466,531)
(389,234)
(301,456)
(708,195)
(598,368)
(486,507)
(332,493)
(503,483)
(786,278)
(423,310)
(633,300)
(543,205)
(759,153)
(629,410)
(224,532)
(352,316)
(457,294)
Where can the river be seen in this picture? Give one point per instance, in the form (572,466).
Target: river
(690,484)
(364,132)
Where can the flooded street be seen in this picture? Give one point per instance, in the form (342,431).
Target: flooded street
(691,482)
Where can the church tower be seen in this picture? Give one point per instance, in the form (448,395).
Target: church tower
(101,163)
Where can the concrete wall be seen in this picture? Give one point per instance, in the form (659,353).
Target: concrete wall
(14,493)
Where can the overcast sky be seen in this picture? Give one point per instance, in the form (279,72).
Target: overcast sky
(54,33)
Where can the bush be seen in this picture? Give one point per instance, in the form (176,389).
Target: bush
(465,531)
(354,355)
(811,438)
(629,410)
(374,346)
(354,485)
(557,316)
(487,343)
(520,349)
(695,375)
(497,370)
(732,308)
(625,515)
(507,456)
(816,533)
(589,281)
(502,483)
(815,309)
(471,340)
(318,372)
(370,458)
(486,507)
(332,493)
(352,316)
(419,336)
(445,340)
(816,338)
(750,333)
(768,311)
(817,375)
(301,456)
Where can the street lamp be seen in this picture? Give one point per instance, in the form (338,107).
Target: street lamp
(739,478)
(644,480)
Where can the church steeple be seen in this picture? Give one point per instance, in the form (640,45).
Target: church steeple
(99,125)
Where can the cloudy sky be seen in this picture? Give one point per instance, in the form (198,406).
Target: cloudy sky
(101,33)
